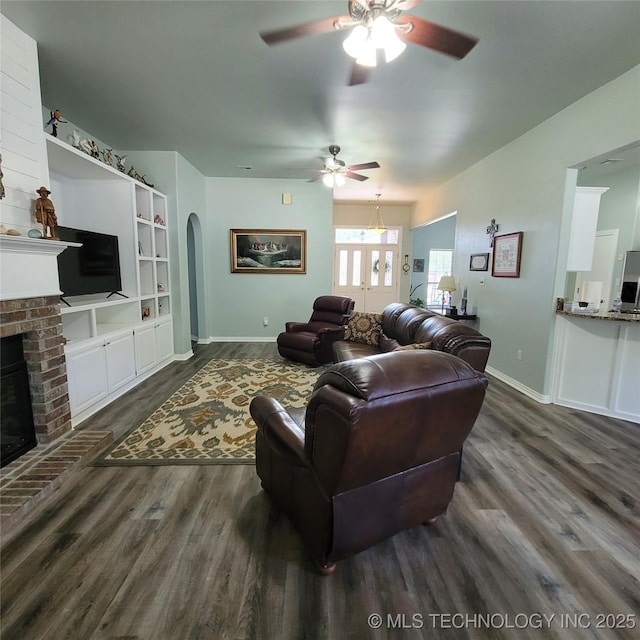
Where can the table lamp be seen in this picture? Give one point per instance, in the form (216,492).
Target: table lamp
(448,284)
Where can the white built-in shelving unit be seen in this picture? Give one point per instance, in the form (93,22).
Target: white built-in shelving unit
(115,342)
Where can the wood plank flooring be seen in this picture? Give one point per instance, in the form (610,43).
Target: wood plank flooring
(545,521)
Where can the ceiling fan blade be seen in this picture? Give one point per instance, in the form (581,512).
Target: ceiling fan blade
(325,25)
(359,74)
(364,165)
(356,176)
(434,36)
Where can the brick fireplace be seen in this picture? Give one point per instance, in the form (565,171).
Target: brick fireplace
(30,306)
(38,320)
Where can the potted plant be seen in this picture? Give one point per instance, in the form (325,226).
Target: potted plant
(418,302)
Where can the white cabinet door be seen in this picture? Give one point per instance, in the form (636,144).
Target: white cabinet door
(145,348)
(87,377)
(164,340)
(121,361)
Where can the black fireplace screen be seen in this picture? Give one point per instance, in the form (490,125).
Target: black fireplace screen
(17,432)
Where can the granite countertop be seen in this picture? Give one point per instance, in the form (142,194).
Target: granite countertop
(618,317)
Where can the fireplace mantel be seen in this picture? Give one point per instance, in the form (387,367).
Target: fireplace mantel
(29,267)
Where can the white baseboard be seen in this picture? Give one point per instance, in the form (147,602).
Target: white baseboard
(181,357)
(534,395)
(235,339)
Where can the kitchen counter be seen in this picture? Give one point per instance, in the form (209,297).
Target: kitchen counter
(618,317)
(597,364)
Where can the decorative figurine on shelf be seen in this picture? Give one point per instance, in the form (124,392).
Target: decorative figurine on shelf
(73,139)
(134,174)
(120,162)
(158,220)
(1,183)
(143,180)
(90,147)
(46,214)
(54,121)
(146,312)
(107,156)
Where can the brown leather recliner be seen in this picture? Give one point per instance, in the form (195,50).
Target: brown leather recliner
(312,342)
(376,451)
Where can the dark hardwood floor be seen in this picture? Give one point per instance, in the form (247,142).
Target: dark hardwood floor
(545,522)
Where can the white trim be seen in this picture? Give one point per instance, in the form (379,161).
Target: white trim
(440,219)
(239,339)
(534,395)
(181,357)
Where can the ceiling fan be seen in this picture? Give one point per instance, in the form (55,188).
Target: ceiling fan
(379,26)
(335,171)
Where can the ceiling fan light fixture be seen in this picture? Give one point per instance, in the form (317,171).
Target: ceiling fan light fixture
(328,180)
(333,179)
(355,43)
(384,36)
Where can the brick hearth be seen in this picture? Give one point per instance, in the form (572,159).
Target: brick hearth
(40,322)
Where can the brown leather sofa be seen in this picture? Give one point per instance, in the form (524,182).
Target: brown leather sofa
(376,451)
(404,324)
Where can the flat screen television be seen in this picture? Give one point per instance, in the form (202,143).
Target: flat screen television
(92,268)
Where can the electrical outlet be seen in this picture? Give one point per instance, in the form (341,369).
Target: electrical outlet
(519,354)
(265,321)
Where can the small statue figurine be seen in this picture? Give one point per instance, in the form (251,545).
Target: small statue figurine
(55,120)
(120,162)
(107,156)
(74,139)
(46,214)
(1,183)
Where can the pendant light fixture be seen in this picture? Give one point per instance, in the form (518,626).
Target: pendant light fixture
(376,224)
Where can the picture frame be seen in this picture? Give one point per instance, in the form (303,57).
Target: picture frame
(268,250)
(507,253)
(418,265)
(479,262)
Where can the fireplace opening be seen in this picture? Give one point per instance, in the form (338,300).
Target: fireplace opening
(17,430)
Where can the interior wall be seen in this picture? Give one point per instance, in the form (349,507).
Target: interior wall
(240,301)
(359,214)
(522,186)
(436,235)
(618,210)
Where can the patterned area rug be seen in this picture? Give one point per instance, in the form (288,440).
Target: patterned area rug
(207,420)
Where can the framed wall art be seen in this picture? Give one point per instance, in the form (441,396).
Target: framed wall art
(479,262)
(418,265)
(268,251)
(507,250)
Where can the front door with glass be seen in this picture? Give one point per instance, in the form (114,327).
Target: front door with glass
(367,274)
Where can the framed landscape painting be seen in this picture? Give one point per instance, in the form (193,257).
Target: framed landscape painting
(268,251)
(507,251)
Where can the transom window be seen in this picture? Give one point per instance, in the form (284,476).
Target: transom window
(364,236)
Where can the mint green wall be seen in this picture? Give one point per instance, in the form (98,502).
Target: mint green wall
(239,302)
(524,186)
(437,235)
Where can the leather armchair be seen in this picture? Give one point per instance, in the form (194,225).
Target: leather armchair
(312,342)
(376,451)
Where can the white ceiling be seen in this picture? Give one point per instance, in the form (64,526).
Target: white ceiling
(196,78)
